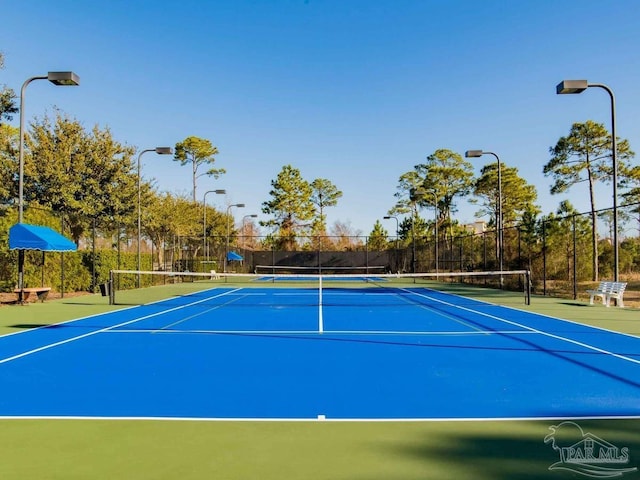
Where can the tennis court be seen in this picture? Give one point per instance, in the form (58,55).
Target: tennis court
(382,350)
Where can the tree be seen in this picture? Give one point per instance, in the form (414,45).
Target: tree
(559,234)
(7,98)
(346,238)
(290,206)
(324,194)
(585,156)
(446,176)
(167,217)
(437,182)
(198,152)
(85,175)
(518,196)
(378,238)
(8,162)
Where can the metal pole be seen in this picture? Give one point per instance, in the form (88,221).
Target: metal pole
(62,258)
(575,259)
(140,215)
(614,161)
(21,184)
(544,258)
(226,253)
(499,219)
(397,238)
(413,235)
(435,205)
(21,150)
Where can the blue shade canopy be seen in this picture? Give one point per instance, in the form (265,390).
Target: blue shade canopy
(23,236)
(234,256)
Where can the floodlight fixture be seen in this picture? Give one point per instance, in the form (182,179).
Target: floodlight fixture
(64,79)
(473,153)
(571,86)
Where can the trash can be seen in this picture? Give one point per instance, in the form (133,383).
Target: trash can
(104,289)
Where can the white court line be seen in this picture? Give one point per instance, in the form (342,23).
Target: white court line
(331,332)
(535,330)
(73,339)
(316,419)
(237,297)
(110,312)
(440,314)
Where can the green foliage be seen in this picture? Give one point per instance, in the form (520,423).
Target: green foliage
(559,238)
(436,183)
(87,175)
(585,155)
(446,176)
(9,138)
(378,238)
(8,105)
(518,196)
(290,206)
(198,152)
(324,194)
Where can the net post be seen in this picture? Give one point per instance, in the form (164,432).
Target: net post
(320,319)
(112,285)
(527,287)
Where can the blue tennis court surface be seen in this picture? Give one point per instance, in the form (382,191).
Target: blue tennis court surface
(271,353)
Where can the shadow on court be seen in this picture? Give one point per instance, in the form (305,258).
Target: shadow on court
(508,450)
(28,326)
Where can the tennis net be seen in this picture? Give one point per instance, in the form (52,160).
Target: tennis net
(320,269)
(158,285)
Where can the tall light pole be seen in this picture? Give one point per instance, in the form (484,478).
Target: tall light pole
(204,219)
(389,217)
(64,79)
(226,252)
(579,86)
(476,154)
(159,151)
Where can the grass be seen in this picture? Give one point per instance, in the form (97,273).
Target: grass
(148,449)
(83,449)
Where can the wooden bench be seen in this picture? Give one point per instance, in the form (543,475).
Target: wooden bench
(608,291)
(41,292)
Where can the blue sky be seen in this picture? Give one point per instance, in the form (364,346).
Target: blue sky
(350,90)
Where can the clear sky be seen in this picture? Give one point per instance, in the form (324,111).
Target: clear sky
(356,91)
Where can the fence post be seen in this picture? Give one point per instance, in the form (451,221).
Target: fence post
(575,258)
(544,258)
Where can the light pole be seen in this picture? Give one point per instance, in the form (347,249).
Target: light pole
(476,154)
(579,86)
(414,260)
(64,79)
(226,253)
(159,151)
(204,220)
(389,217)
